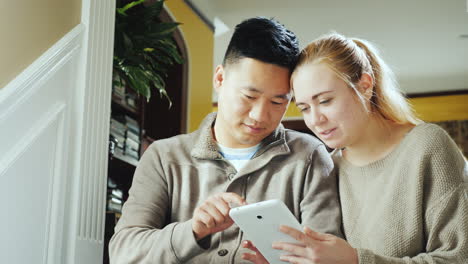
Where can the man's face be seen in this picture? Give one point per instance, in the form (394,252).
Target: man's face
(252,99)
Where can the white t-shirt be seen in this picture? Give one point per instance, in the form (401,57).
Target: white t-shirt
(238,157)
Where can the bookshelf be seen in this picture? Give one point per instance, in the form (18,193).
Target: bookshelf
(125,137)
(143,122)
(156,120)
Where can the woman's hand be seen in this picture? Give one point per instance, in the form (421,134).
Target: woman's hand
(255,257)
(316,248)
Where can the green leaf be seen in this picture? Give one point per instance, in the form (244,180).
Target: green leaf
(139,82)
(162,29)
(124,9)
(144,49)
(127,41)
(164,93)
(153,11)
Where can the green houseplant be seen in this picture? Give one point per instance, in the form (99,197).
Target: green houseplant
(144,49)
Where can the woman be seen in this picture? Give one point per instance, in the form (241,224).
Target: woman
(402,182)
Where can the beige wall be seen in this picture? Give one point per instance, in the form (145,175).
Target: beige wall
(429,109)
(200,44)
(28,28)
(441,108)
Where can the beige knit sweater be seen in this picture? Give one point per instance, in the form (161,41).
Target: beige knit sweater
(411,206)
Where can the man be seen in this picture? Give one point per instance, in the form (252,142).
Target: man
(184,186)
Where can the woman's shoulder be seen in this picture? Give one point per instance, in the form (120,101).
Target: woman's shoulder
(440,150)
(427,129)
(428,136)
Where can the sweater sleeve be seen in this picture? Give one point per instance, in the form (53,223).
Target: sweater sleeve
(143,234)
(320,206)
(445,207)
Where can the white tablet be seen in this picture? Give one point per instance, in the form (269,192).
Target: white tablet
(260,223)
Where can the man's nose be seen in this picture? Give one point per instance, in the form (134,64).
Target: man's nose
(259,112)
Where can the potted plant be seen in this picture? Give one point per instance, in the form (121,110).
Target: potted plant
(144,49)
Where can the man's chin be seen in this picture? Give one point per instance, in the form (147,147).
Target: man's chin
(250,140)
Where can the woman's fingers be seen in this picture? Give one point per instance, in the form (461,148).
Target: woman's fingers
(316,235)
(294,259)
(255,257)
(249,256)
(296,234)
(249,245)
(295,249)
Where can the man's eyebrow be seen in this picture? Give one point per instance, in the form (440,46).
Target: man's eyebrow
(284,96)
(281,96)
(252,89)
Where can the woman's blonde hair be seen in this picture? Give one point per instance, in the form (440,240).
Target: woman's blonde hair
(349,59)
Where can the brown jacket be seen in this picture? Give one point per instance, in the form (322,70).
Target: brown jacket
(177,174)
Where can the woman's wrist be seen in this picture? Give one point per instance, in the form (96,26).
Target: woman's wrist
(355,259)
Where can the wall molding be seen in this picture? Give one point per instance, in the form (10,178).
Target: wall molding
(29,137)
(35,110)
(442,93)
(36,73)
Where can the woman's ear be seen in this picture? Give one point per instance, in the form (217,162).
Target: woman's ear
(366,85)
(218,77)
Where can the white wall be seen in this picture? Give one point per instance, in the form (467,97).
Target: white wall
(54,119)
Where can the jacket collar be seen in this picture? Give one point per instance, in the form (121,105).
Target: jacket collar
(206,148)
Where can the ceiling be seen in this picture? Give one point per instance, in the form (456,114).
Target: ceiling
(424,41)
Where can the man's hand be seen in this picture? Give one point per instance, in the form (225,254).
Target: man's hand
(213,215)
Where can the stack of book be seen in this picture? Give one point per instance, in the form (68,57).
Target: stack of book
(118,91)
(122,96)
(118,131)
(126,130)
(132,141)
(114,197)
(131,100)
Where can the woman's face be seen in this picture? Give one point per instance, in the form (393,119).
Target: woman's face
(331,109)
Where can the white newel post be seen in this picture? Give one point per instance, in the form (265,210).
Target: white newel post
(89,189)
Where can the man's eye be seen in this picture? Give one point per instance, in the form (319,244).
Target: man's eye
(276,103)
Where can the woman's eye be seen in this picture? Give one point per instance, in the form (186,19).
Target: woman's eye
(303,109)
(248,97)
(325,101)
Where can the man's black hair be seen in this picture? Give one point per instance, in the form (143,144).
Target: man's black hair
(265,40)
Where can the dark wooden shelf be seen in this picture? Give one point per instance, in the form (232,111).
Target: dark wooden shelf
(123,106)
(127,159)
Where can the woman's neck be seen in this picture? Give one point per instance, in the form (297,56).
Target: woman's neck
(375,142)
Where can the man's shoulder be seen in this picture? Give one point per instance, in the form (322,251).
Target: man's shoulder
(178,142)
